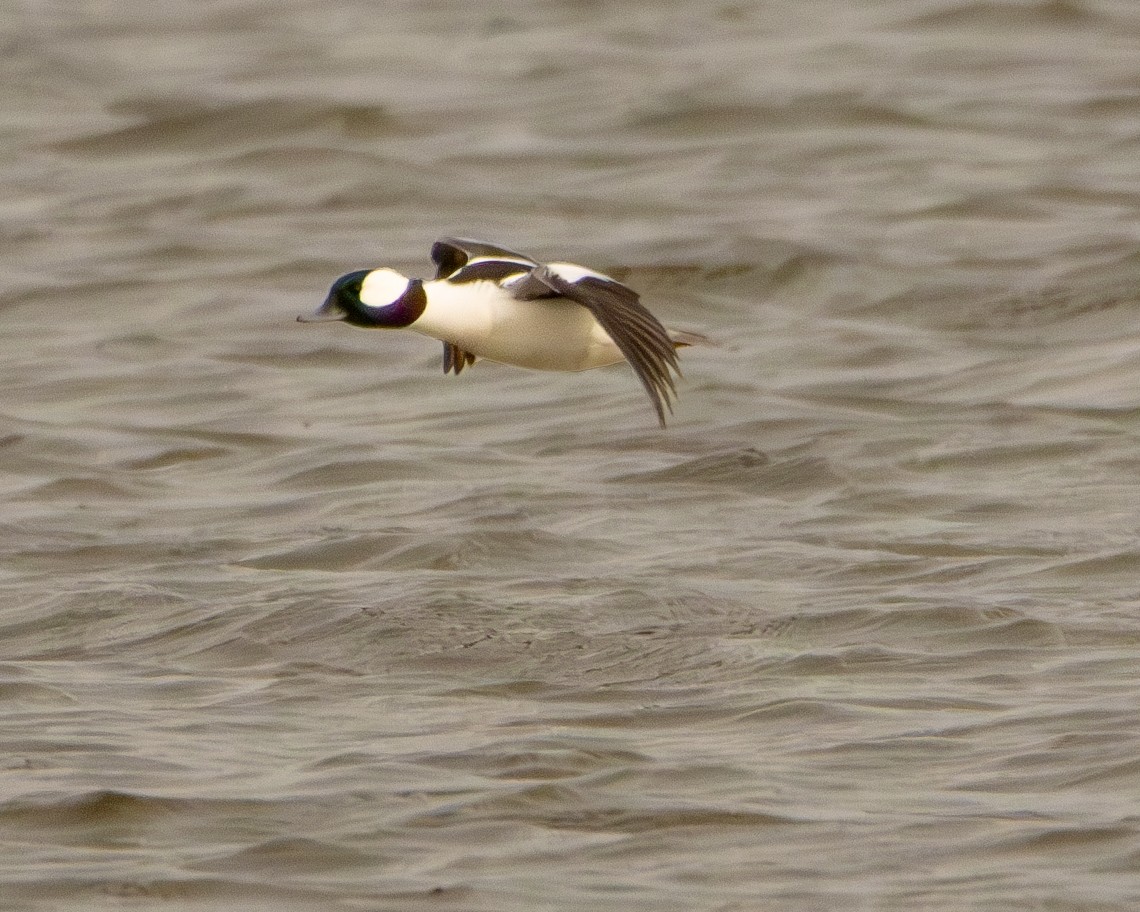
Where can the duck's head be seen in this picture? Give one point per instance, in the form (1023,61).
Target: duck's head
(372,298)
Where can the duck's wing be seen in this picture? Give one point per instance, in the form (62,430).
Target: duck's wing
(636,332)
(459,260)
(455,358)
(467,260)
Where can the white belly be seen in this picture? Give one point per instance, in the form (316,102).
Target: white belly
(481,318)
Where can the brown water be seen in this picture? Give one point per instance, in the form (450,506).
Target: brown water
(291,621)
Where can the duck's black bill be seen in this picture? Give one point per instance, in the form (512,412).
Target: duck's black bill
(326,313)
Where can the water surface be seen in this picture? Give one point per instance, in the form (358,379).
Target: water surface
(290,620)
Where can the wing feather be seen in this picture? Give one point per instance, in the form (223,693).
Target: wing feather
(635,331)
(451,254)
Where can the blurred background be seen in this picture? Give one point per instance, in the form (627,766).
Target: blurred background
(290,620)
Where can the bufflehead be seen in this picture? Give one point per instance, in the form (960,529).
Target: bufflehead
(489,302)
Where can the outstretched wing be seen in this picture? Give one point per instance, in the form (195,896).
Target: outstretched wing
(636,332)
(465,260)
(459,260)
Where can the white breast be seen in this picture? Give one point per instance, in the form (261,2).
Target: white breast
(482,318)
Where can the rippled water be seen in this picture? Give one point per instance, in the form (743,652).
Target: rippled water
(290,620)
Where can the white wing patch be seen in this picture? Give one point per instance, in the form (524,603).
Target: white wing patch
(574,273)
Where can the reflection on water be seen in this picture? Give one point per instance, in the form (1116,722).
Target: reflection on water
(291,620)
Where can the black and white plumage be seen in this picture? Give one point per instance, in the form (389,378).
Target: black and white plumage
(489,302)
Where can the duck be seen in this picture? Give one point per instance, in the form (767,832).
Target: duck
(489,302)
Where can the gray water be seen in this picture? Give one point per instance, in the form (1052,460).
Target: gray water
(291,621)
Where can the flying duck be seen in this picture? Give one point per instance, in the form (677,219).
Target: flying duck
(489,302)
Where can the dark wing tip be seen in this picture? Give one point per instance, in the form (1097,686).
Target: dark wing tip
(640,337)
(448,257)
(638,334)
(450,254)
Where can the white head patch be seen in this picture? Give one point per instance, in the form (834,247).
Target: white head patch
(381,287)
